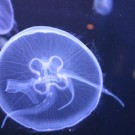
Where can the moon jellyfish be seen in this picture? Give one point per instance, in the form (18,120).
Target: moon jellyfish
(6,17)
(103,7)
(49,80)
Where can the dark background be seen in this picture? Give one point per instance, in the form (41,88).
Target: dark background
(113,43)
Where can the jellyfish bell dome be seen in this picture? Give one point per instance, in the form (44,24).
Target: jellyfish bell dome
(6,17)
(103,7)
(49,79)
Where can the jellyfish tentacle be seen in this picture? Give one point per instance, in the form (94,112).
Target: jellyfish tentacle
(4,121)
(81,79)
(50,97)
(14,86)
(71,89)
(105,91)
(44,105)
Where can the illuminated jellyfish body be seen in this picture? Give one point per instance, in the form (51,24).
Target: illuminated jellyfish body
(6,17)
(49,80)
(103,7)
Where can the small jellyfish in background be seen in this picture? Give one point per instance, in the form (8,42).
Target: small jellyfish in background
(7,21)
(103,7)
(49,80)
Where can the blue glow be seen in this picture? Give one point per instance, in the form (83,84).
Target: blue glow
(49,80)
(6,16)
(103,7)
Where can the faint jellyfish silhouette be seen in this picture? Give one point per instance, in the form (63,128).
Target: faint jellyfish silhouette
(49,80)
(103,7)
(7,21)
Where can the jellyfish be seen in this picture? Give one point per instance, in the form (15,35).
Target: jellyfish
(49,80)
(7,21)
(103,7)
